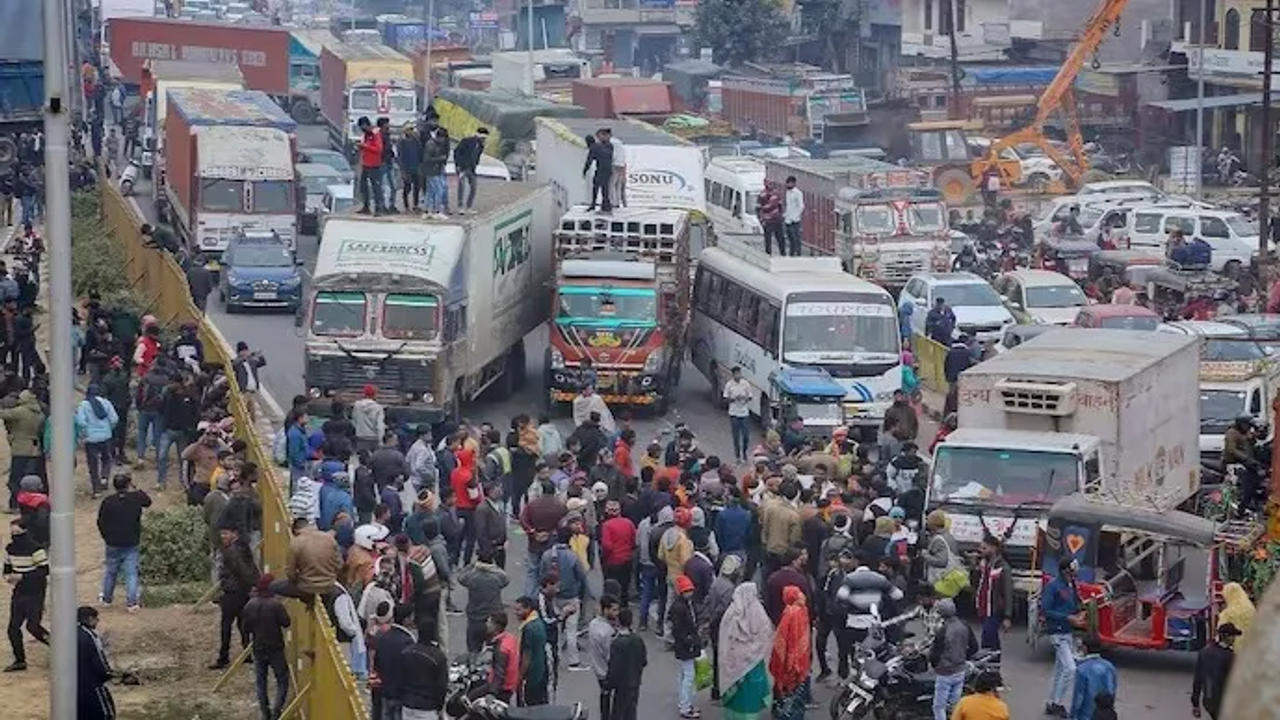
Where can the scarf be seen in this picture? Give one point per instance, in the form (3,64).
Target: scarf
(745,635)
(789,663)
(1239,609)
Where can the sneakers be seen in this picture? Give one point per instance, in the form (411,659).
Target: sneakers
(103,601)
(16,667)
(691,713)
(823,675)
(1055,710)
(133,609)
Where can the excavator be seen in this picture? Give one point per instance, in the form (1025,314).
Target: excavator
(1059,96)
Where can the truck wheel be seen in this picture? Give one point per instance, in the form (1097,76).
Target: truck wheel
(302,111)
(956,186)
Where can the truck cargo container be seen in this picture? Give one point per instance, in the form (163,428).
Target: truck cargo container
(510,116)
(431,313)
(1112,414)
(364,80)
(813,106)
(615,97)
(305,47)
(620,298)
(261,53)
(551,67)
(663,171)
(158,78)
(882,221)
(21,72)
(229,167)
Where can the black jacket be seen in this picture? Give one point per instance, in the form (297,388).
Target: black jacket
(243,512)
(466,156)
(388,663)
(491,528)
(93,698)
(410,154)
(957,361)
(435,154)
(627,659)
(684,627)
(120,518)
(239,573)
(600,153)
(200,280)
(1213,665)
(425,673)
(245,365)
(592,440)
(180,411)
(363,491)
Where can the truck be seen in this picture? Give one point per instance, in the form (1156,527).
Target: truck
(21,74)
(552,67)
(884,222)
(364,80)
(431,313)
(810,105)
(305,48)
(1110,414)
(663,171)
(620,299)
(261,53)
(158,78)
(228,167)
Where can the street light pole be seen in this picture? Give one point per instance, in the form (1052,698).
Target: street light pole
(1268,142)
(1200,105)
(431,19)
(62,540)
(528,71)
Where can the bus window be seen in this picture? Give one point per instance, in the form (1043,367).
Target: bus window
(747,310)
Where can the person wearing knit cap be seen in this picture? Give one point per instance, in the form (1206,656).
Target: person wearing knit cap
(264,619)
(687,642)
(34,508)
(370,420)
(674,550)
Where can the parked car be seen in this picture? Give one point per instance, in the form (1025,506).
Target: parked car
(338,199)
(1040,297)
(259,269)
(313,179)
(1116,317)
(332,158)
(978,309)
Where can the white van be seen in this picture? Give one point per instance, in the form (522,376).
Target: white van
(732,183)
(1233,237)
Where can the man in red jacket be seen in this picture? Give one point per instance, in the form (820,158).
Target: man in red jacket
(617,547)
(370,167)
(467,497)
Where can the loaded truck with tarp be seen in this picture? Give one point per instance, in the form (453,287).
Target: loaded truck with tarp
(364,80)
(228,167)
(431,313)
(158,78)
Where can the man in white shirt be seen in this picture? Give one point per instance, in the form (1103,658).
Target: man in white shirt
(619,177)
(738,393)
(792,212)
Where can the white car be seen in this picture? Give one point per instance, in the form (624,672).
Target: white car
(977,307)
(1042,297)
(1122,187)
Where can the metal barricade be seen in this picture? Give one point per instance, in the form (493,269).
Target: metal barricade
(931,357)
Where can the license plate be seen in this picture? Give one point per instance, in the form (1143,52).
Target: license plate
(264,296)
(212,265)
(1078,265)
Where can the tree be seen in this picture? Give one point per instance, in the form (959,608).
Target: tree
(739,31)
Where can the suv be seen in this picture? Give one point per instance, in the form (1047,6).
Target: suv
(1233,237)
(260,270)
(978,309)
(1040,297)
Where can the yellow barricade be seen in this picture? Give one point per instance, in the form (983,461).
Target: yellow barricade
(323,684)
(931,358)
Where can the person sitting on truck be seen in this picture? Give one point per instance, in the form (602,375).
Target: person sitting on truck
(370,167)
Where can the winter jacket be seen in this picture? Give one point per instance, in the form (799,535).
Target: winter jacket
(96,429)
(674,550)
(1059,601)
(334,500)
(388,652)
(484,583)
(410,155)
(617,541)
(425,674)
(34,509)
(958,360)
(491,528)
(684,629)
(466,156)
(363,490)
(296,447)
(245,365)
(627,659)
(952,645)
(780,526)
(239,573)
(24,424)
(573,576)
(422,464)
(733,526)
(435,155)
(29,561)
(369,418)
(1094,676)
(314,561)
(180,411)
(371,149)
(120,518)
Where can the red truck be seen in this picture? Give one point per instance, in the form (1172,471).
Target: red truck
(616,97)
(806,106)
(262,53)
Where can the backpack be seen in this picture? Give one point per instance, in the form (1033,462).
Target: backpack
(280,447)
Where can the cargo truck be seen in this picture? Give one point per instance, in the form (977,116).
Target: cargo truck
(431,313)
(261,53)
(364,80)
(1111,414)
(21,74)
(229,167)
(884,222)
(663,171)
(158,78)
(620,299)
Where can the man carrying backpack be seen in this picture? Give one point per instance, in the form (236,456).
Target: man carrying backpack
(150,401)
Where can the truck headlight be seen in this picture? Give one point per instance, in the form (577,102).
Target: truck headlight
(428,398)
(556,358)
(655,361)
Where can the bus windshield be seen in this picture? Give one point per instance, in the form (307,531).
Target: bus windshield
(1002,476)
(587,305)
(819,326)
(338,313)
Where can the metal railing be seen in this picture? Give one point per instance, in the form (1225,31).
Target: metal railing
(931,357)
(322,683)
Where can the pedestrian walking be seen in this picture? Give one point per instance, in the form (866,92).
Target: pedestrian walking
(264,619)
(534,655)
(120,525)
(24,425)
(93,670)
(746,647)
(687,643)
(1060,603)
(466,161)
(370,179)
(97,419)
(1213,667)
(199,281)
(561,561)
(953,645)
(792,215)
(491,526)
(739,394)
(237,578)
(26,567)
(484,582)
(769,213)
(617,548)
(370,420)
(601,632)
(625,674)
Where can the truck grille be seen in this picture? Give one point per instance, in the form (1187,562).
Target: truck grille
(395,379)
(1038,397)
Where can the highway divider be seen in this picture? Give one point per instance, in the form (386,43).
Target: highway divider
(931,359)
(323,685)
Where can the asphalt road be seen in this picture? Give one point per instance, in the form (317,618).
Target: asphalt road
(1151,684)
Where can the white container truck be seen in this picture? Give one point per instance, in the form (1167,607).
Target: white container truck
(1112,414)
(430,312)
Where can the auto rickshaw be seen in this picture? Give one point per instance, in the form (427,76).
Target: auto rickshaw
(1171,291)
(1068,255)
(1148,579)
(1129,267)
(810,394)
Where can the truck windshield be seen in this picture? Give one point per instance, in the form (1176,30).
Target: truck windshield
(1219,408)
(338,313)
(1002,476)
(825,324)
(1055,296)
(582,305)
(220,195)
(364,99)
(272,196)
(926,217)
(402,101)
(409,317)
(875,219)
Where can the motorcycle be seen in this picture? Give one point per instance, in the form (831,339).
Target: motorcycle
(893,682)
(467,699)
(129,176)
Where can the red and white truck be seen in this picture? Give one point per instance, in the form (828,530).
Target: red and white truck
(364,80)
(884,222)
(228,167)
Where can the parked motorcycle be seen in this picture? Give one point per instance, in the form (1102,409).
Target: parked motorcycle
(129,176)
(467,699)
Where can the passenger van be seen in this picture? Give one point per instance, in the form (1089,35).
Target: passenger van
(733,183)
(1233,237)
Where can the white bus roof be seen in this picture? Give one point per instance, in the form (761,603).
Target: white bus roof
(423,251)
(778,277)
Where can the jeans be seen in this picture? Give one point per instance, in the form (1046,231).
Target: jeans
(392,709)
(792,230)
(685,683)
(773,231)
(149,422)
(389,179)
(371,188)
(27,608)
(230,605)
(467,178)
(411,714)
(468,519)
(946,692)
(437,194)
(412,187)
(1064,666)
(741,435)
(622,573)
(273,661)
(600,188)
(98,457)
(168,439)
(531,574)
(991,632)
(648,579)
(117,558)
(28,208)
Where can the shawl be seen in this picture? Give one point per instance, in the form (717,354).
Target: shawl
(745,635)
(789,664)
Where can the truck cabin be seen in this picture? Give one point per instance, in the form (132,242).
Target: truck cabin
(1012,469)
(608,302)
(891,212)
(244,171)
(396,100)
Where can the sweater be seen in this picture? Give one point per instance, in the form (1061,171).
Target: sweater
(425,676)
(120,518)
(484,584)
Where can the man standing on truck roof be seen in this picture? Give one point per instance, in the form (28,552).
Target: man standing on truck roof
(600,152)
(769,212)
(619,167)
(792,213)
(466,160)
(435,155)
(410,167)
(370,167)
(388,162)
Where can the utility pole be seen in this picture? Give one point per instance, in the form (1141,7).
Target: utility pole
(430,23)
(1200,105)
(1268,142)
(528,72)
(62,538)
(955,59)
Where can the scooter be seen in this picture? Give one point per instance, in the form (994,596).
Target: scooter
(129,176)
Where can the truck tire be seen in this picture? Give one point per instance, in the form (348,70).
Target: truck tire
(8,151)
(302,111)
(956,186)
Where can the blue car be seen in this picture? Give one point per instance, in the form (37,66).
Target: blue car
(260,270)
